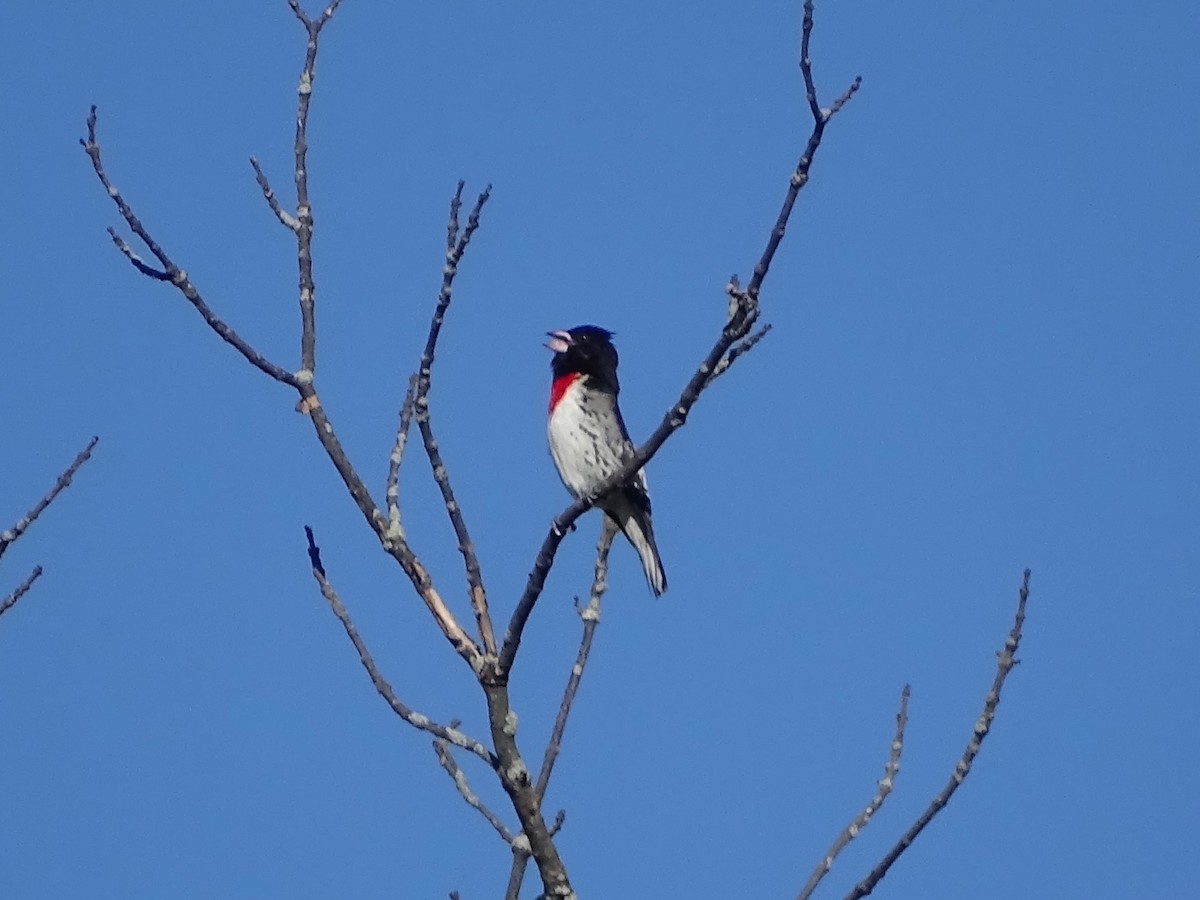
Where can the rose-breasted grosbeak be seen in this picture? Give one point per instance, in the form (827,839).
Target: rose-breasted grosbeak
(589,441)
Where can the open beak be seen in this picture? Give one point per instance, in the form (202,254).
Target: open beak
(560,341)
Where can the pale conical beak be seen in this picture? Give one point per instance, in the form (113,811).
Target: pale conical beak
(560,341)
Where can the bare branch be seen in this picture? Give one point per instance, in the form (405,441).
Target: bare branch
(286,219)
(304,216)
(1006,662)
(393,541)
(446,757)
(393,480)
(171,272)
(890,771)
(456,247)
(590,615)
(11,536)
(417,720)
(21,590)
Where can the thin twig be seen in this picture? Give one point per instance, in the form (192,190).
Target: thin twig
(743,346)
(10,536)
(397,457)
(422,722)
(590,615)
(21,590)
(134,260)
(446,757)
(456,247)
(744,312)
(1006,662)
(286,219)
(890,771)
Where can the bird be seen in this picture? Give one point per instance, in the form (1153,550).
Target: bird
(589,441)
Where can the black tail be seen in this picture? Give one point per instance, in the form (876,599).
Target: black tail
(634,521)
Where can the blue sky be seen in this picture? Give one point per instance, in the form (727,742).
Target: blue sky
(984,358)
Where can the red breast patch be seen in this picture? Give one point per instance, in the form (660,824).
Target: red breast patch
(559,387)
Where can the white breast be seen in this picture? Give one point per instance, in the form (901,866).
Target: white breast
(585,438)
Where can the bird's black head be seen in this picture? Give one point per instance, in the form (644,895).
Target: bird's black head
(588,350)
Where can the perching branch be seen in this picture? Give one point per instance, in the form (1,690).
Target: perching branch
(11,535)
(456,247)
(890,771)
(735,339)
(451,735)
(1006,662)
